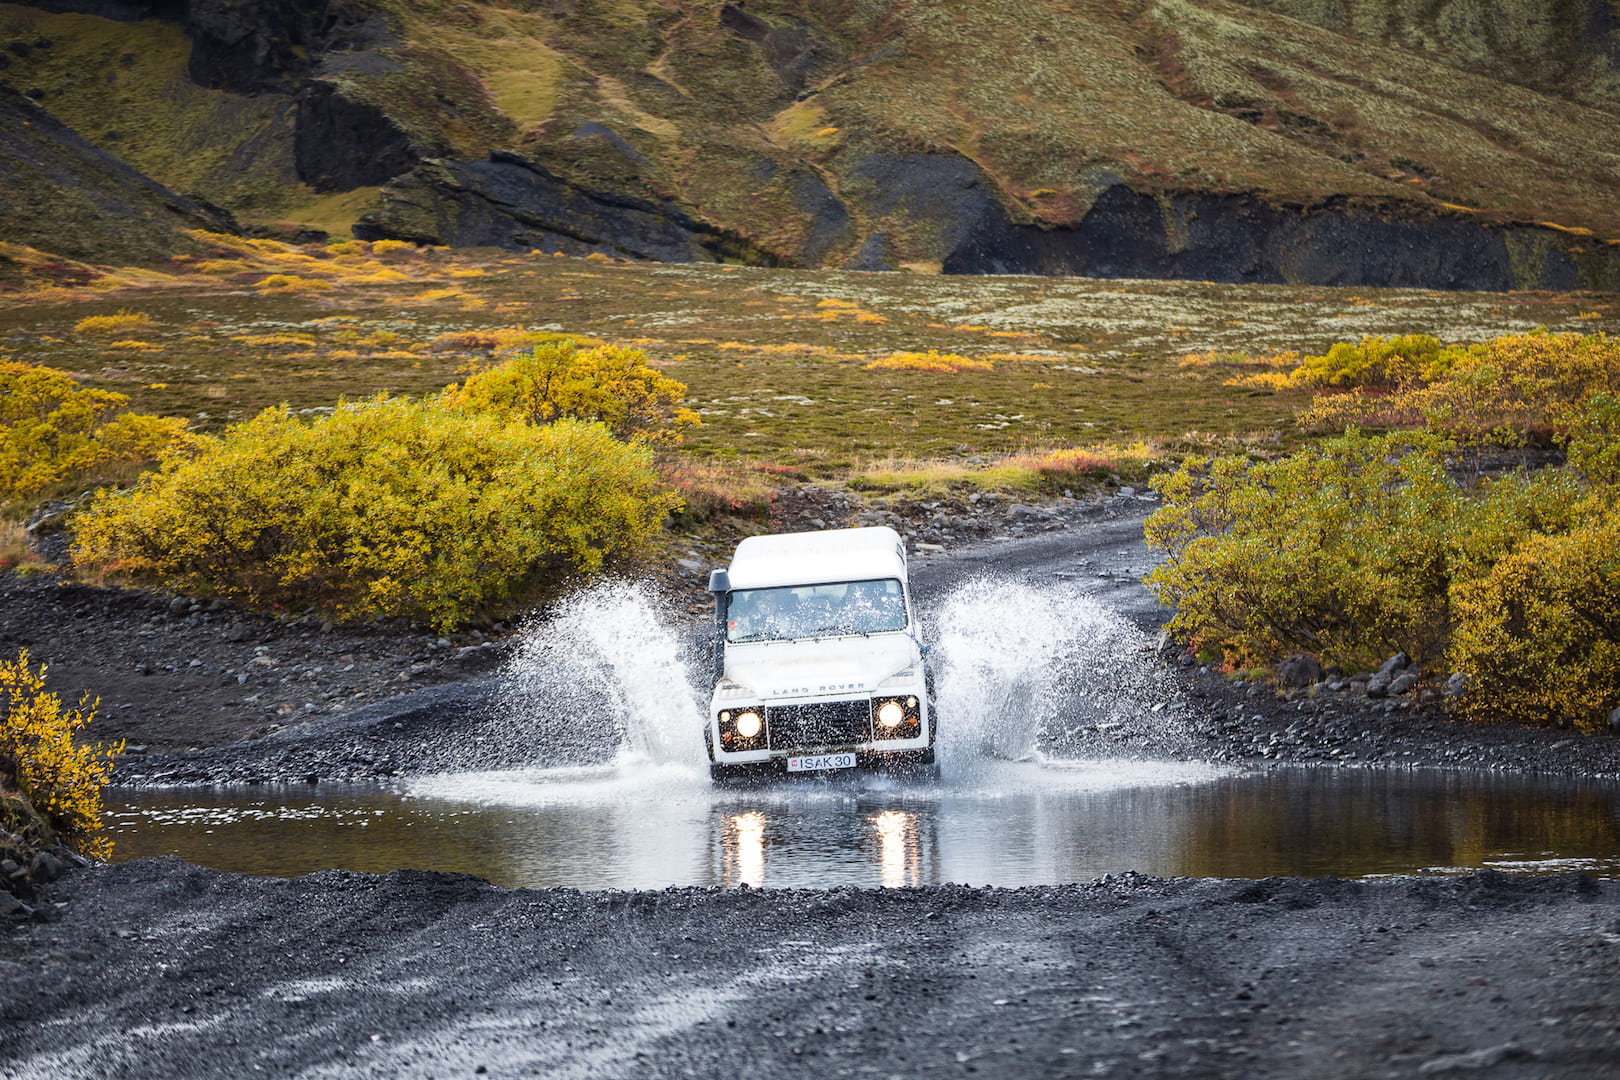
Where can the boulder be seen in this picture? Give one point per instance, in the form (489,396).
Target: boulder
(1299,670)
(46,867)
(1457,684)
(1395,664)
(1402,683)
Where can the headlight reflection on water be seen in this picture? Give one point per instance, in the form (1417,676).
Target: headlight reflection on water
(744,842)
(899,849)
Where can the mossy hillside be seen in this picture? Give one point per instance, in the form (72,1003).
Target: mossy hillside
(123,86)
(1551,45)
(1053,102)
(1455,137)
(1054,106)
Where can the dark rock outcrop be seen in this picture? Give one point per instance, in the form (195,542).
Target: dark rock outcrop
(62,194)
(250,46)
(511,202)
(1226,238)
(340,144)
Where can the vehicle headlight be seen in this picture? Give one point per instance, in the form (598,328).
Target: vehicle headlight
(748,724)
(891,714)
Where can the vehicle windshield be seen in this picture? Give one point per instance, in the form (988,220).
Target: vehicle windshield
(801,611)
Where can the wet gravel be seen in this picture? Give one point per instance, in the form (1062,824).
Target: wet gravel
(157,968)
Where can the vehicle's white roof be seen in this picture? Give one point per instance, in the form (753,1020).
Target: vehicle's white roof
(828,555)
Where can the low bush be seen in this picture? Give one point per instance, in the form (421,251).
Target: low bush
(40,750)
(932,361)
(1028,474)
(291,283)
(386,507)
(1375,361)
(54,431)
(1505,390)
(122,321)
(1363,546)
(560,380)
(710,490)
(14,548)
(1073,469)
(390,247)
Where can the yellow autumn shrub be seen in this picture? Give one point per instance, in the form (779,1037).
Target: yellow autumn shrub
(291,283)
(123,321)
(40,748)
(1505,390)
(1539,634)
(1375,362)
(561,380)
(930,361)
(53,431)
(385,507)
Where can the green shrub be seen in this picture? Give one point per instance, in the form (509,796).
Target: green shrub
(1359,547)
(53,431)
(385,507)
(560,380)
(1339,550)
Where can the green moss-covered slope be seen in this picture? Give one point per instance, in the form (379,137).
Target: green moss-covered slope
(851,132)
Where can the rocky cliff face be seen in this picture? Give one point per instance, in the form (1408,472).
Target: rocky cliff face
(1458,144)
(63,195)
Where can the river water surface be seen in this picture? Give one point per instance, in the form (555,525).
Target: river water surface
(1011,824)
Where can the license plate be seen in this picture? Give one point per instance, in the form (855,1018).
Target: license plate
(818,762)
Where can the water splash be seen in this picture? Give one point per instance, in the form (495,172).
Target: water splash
(606,677)
(1027,671)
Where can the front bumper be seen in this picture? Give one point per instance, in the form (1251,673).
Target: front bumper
(898,762)
(791,728)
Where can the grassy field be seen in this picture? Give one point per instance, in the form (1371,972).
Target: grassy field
(777,361)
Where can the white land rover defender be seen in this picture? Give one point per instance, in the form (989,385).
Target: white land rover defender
(819,666)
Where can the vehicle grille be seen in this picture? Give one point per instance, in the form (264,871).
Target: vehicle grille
(822,725)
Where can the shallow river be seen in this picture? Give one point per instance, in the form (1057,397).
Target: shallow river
(1003,824)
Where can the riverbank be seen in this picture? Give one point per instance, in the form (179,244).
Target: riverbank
(157,966)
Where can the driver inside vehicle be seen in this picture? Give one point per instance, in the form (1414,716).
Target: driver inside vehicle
(774,614)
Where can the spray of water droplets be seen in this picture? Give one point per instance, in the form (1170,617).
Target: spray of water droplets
(1023,672)
(604,677)
(1028,671)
